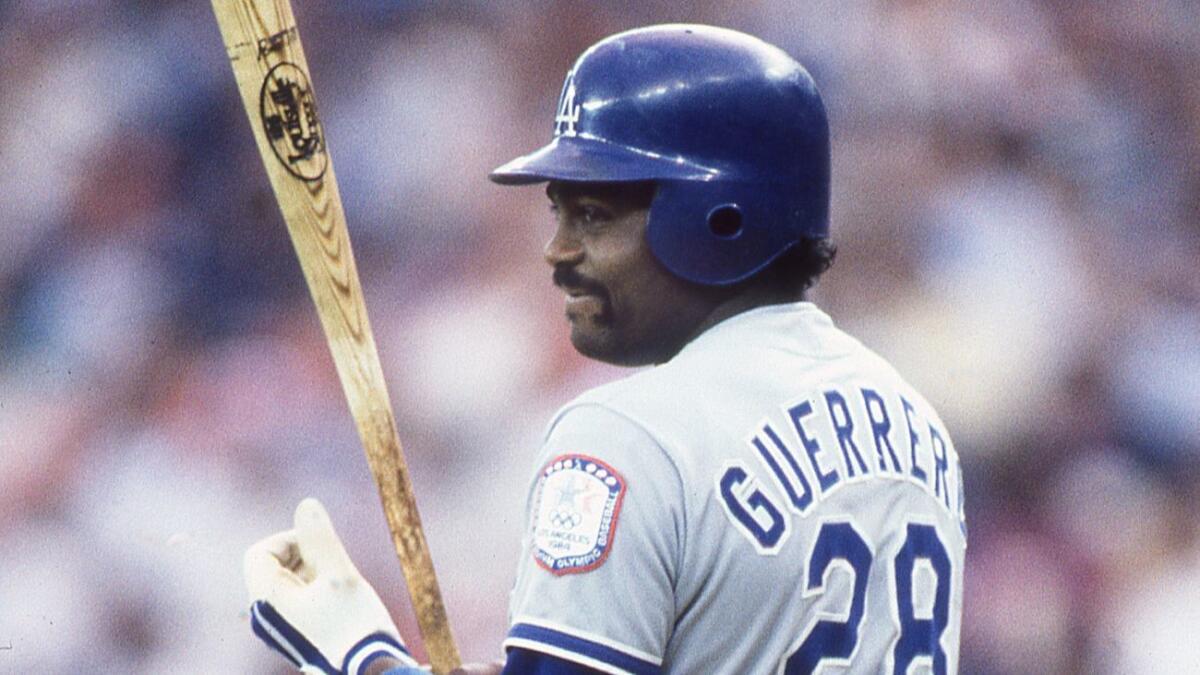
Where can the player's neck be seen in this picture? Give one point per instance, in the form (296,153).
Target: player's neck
(743,300)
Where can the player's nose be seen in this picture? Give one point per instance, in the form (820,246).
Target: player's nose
(562,249)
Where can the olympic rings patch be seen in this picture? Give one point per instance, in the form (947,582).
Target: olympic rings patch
(575,515)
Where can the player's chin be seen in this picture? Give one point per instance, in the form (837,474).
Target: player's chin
(595,341)
(604,342)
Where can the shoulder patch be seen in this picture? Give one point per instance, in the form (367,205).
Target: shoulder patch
(575,516)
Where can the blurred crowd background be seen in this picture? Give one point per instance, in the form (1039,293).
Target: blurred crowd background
(1016,201)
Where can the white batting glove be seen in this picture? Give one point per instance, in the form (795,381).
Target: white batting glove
(310,604)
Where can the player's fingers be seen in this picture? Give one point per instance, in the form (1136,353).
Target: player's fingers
(270,563)
(319,543)
(281,546)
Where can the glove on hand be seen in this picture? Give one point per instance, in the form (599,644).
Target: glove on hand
(310,604)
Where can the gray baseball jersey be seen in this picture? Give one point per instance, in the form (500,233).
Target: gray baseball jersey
(775,499)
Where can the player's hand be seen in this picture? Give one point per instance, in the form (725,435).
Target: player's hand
(309,603)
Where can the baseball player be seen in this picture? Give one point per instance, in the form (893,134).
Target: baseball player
(769,497)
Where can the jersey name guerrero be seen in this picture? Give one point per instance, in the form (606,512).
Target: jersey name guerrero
(806,470)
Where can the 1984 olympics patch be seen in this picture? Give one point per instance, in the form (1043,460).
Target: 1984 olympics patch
(578,502)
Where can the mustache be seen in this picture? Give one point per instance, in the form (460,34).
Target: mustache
(566,276)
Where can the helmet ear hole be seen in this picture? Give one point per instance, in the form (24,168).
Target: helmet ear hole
(725,221)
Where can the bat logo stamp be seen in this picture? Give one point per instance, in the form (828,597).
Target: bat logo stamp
(579,501)
(277,41)
(289,117)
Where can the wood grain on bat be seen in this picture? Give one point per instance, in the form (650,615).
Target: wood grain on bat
(267,56)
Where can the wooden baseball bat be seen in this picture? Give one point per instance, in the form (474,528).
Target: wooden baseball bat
(264,48)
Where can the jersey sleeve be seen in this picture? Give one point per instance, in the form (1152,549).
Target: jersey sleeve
(524,662)
(603,541)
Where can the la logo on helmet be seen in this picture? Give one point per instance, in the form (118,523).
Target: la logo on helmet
(568,111)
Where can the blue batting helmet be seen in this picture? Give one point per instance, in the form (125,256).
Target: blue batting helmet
(731,129)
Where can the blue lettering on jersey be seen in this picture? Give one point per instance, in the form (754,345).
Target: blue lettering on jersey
(832,642)
(743,500)
(913,442)
(921,637)
(880,426)
(765,524)
(843,425)
(797,413)
(829,641)
(801,499)
(940,465)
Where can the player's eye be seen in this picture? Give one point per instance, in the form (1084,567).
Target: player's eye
(591,214)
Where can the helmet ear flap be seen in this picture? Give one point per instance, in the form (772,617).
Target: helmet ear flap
(717,233)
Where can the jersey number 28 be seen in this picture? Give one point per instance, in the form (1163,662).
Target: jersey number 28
(840,543)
